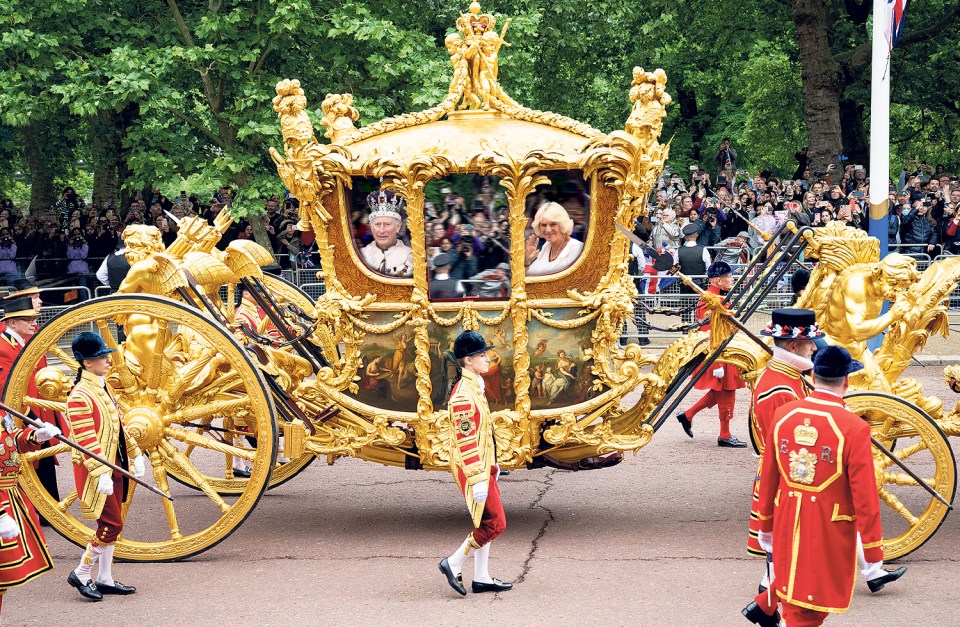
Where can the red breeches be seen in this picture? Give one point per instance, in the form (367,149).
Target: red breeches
(110,523)
(493,521)
(725,399)
(796,616)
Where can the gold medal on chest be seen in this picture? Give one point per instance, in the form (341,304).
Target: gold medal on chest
(803,466)
(9,441)
(465,426)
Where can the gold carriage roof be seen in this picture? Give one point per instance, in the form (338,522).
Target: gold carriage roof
(475,111)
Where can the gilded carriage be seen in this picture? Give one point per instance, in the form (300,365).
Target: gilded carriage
(362,371)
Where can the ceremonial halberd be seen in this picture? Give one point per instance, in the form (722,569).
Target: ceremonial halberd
(363,371)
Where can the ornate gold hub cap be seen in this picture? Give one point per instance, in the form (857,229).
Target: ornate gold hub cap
(145,426)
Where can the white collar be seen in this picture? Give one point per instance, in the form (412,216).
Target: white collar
(440,276)
(689,243)
(15,336)
(792,359)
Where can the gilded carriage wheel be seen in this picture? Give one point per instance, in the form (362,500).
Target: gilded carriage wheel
(910,515)
(175,371)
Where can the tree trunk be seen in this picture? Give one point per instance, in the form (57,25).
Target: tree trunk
(823,83)
(105,145)
(689,112)
(856,142)
(42,194)
(127,118)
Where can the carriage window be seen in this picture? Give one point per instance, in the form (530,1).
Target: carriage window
(378,226)
(467,238)
(559,213)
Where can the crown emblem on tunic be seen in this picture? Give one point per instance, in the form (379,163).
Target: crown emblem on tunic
(385,203)
(804,434)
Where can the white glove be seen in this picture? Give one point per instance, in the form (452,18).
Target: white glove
(9,529)
(46,432)
(765,538)
(139,468)
(718,372)
(873,570)
(480,492)
(105,484)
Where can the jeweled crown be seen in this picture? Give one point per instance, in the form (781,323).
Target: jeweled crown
(804,434)
(386,203)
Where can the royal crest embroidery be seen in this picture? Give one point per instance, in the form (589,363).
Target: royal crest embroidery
(803,466)
(464,426)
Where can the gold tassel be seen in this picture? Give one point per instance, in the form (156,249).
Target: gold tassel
(721,328)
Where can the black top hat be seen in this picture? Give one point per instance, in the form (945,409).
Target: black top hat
(469,343)
(22,287)
(690,229)
(719,268)
(19,308)
(834,362)
(799,280)
(792,324)
(89,345)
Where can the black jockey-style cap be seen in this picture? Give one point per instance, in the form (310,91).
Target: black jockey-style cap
(469,343)
(441,260)
(799,280)
(792,324)
(834,362)
(89,345)
(690,229)
(718,269)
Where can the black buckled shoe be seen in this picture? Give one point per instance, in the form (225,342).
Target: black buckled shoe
(686,423)
(495,586)
(241,472)
(876,585)
(86,590)
(755,615)
(731,442)
(455,581)
(116,588)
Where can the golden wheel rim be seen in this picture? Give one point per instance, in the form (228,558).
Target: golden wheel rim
(190,371)
(909,514)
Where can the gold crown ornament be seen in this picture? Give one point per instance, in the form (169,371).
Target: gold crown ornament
(804,434)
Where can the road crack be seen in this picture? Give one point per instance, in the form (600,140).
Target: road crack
(535,544)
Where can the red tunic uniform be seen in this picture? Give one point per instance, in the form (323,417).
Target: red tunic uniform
(473,457)
(95,420)
(779,384)
(25,557)
(817,490)
(731,376)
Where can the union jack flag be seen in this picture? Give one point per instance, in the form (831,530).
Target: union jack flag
(897,10)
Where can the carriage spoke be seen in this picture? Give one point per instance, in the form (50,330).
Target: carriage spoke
(208,411)
(43,453)
(209,443)
(186,466)
(898,478)
(905,453)
(69,500)
(897,505)
(160,477)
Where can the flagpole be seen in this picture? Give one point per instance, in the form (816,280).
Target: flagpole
(880,124)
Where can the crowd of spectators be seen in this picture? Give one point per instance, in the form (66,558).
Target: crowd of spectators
(73,237)
(731,212)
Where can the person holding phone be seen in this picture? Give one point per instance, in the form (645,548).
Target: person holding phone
(919,229)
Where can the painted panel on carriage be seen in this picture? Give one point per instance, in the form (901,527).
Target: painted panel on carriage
(559,365)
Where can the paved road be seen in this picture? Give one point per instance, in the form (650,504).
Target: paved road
(657,540)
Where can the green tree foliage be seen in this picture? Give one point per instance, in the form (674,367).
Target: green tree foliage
(188,84)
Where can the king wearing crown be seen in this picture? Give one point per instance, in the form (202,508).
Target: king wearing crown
(386,253)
